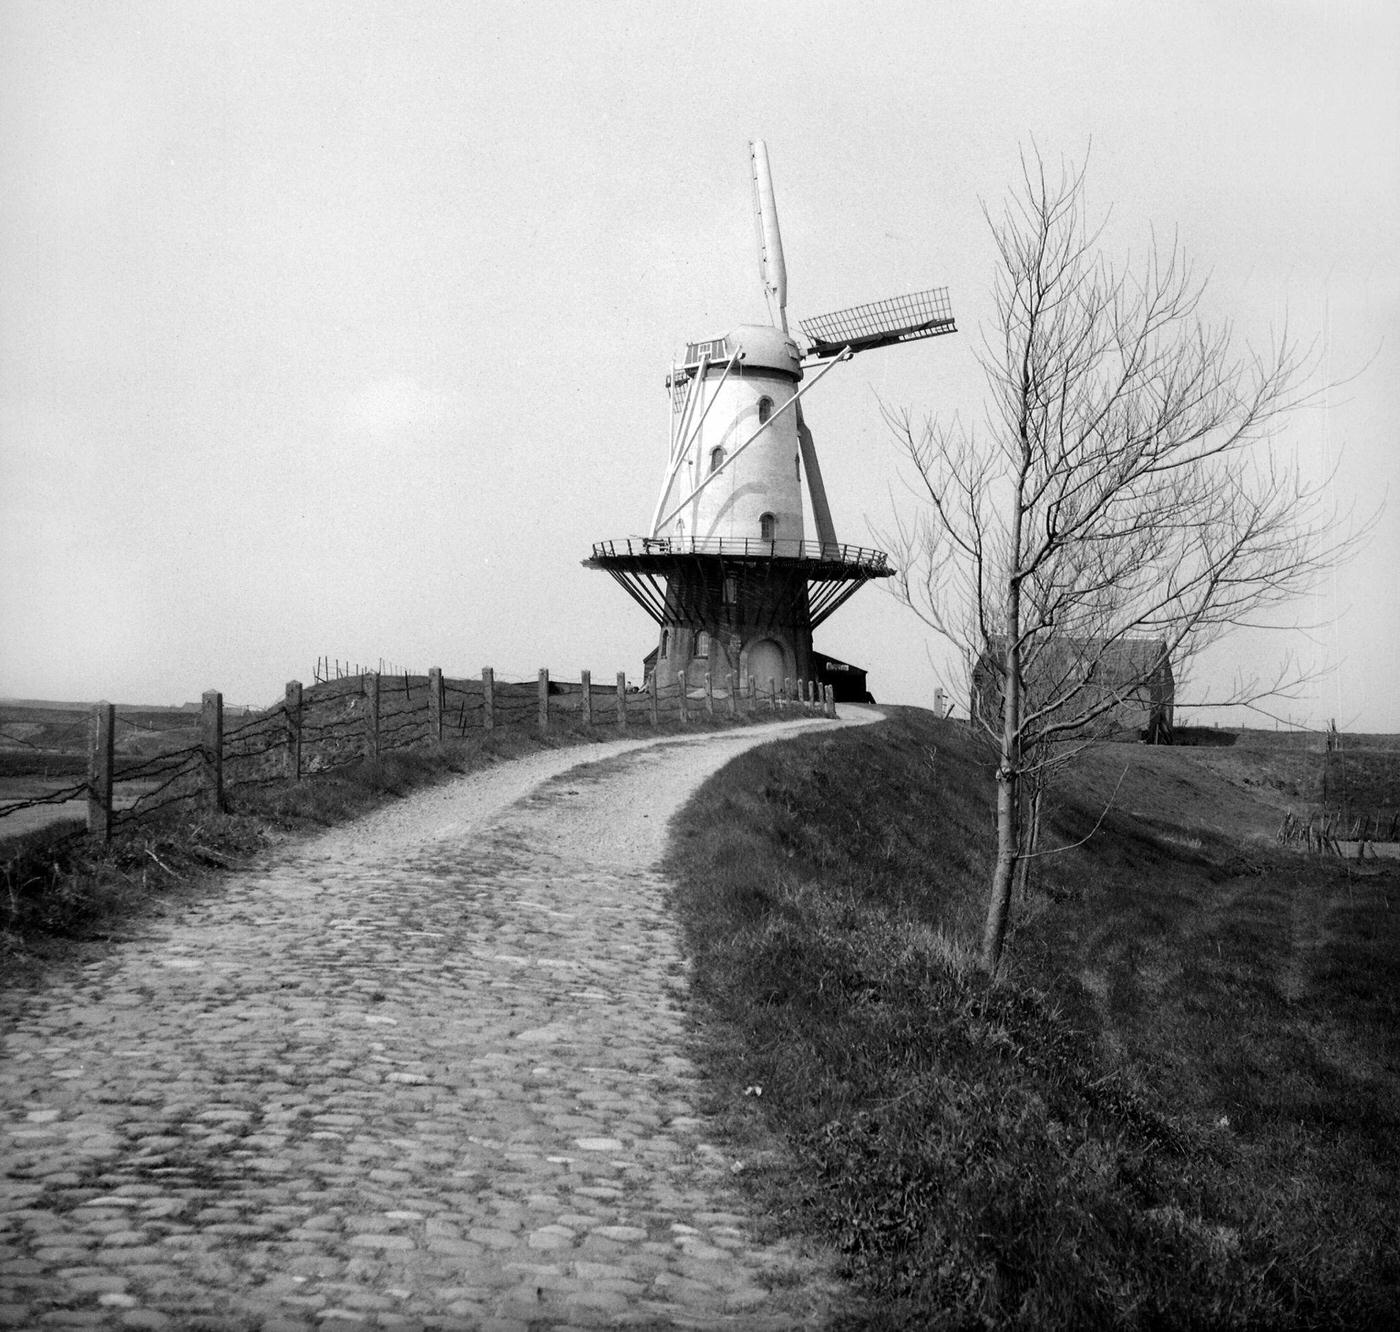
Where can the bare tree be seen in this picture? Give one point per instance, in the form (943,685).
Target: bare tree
(1122,508)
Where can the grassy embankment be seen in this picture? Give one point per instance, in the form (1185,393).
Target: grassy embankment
(61,895)
(1179,1107)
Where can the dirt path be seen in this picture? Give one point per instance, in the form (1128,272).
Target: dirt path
(423,1071)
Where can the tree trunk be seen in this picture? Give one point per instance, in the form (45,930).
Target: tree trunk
(1008,802)
(1004,874)
(1030,830)
(1009,769)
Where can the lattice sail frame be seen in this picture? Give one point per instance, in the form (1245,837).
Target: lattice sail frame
(907,318)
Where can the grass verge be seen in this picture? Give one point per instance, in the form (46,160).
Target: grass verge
(1177,1109)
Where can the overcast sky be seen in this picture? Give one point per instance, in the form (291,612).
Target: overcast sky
(342,328)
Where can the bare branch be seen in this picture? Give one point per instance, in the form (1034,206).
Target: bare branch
(1126,508)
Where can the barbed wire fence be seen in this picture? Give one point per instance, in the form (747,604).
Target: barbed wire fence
(343,719)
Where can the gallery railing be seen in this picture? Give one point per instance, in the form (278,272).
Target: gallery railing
(830,552)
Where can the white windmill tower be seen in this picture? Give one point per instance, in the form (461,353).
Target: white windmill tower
(728,570)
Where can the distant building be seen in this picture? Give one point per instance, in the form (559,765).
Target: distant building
(847,682)
(1133,676)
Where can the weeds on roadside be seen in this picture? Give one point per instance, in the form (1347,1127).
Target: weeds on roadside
(56,884)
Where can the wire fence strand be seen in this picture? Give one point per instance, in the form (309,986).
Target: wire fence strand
(336,723)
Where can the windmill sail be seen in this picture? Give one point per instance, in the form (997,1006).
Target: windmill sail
(770,241)
(920,314)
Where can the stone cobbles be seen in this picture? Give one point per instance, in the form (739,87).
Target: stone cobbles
(429,1080)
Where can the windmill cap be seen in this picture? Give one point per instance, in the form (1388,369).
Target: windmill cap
(763,345)
(759,347)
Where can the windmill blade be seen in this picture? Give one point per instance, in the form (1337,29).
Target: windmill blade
(770,241)
(920,314)
(816,487)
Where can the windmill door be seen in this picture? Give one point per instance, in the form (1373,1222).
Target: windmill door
(766,664)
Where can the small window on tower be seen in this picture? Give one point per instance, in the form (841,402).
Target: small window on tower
(702,644)
(716,459)
(765,410)
(767,527)
(665,642)
(731,589)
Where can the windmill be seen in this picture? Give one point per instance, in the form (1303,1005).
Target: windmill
(727,569)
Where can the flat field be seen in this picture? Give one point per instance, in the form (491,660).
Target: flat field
(44,749)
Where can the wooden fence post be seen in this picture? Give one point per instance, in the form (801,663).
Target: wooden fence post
(103,737)
(291,709)
(830,701)
(211,739)
(787,689)
(587,678)
(622,700)
(729,686)
(370,687)
(685,697)
(488,698)
(436,698)
(544,698)
(772,693)
(753,695)
(709,692)
(653,701)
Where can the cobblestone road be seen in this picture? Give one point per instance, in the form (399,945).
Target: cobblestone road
(423,1072)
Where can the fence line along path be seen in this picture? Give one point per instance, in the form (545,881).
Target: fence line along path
(345,720)
(425,1070)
